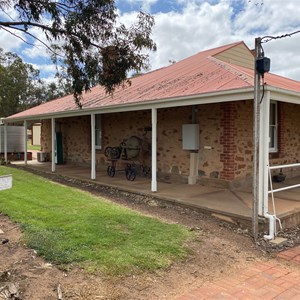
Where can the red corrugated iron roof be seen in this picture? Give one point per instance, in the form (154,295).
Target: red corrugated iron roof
(199,74)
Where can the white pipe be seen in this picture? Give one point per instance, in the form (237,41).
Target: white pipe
(1,138)
(53,144)
(154,150)
(284,166)
(25,142)
(5,143)
(265,118)
(93,154)
(272,227)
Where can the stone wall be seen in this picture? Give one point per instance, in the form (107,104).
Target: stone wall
(76,135)
(119,126)
(46,136)
(289,138)
(172,161)
(210,165)
(244,140)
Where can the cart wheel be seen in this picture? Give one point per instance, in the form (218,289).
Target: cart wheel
(115,153)
(107,151)
(131,174)
(127,169)
(111,171)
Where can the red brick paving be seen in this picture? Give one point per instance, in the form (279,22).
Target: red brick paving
(263,281)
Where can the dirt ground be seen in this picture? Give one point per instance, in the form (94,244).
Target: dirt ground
(218,251)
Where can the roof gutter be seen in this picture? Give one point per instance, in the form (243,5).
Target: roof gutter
(283,95)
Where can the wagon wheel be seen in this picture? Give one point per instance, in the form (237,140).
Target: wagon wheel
(111,171)
(131,174)
(115,153)
(107,151)
(127,169)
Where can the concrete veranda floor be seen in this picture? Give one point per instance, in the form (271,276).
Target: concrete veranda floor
(233,205)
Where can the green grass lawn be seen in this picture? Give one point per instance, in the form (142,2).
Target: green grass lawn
(66,225)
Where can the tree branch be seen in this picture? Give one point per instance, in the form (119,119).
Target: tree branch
(42,26)
(28,23)
(33,36)
(17,36)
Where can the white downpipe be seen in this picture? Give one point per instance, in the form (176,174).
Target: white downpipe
(272,227)
(53,144)
(261,161)
(5,143)
(25,142)
(264,168)
(154,150)
(265,151)
(93,154)
(271,218)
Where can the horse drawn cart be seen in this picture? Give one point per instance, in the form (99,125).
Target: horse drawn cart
(130,153)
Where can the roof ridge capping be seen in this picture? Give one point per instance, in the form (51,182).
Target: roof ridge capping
(233,69)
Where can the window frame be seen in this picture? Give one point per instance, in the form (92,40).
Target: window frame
(273,149)
(98,132)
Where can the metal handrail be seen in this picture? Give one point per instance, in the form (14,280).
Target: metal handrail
(284,166)
(273,218)
(286,187)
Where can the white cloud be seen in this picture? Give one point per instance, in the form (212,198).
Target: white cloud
(38,48)
(191,26)
(197,27)
(9,42)
(45,68)
(200,25)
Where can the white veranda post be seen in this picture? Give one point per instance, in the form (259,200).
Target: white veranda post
(264,154)
(5,143)
(154,149)
(25,142)
(53,144)
(93,151)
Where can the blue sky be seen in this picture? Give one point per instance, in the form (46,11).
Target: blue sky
(185,27)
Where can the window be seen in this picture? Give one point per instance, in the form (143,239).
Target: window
(273,127)
(98,132)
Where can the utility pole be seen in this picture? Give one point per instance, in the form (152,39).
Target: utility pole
(256,121)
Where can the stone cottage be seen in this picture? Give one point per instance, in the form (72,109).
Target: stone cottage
(196,115)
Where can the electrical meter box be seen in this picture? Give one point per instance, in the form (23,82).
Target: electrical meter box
(263,65)
(190,136)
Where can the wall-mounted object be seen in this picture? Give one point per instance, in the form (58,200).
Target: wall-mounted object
(190,136)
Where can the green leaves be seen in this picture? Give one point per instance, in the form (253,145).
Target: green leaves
(16,83)
(87,30)
(21,86)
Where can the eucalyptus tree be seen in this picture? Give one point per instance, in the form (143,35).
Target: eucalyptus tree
(87,37)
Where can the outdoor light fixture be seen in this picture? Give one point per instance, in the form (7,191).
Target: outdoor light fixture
(263,65)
